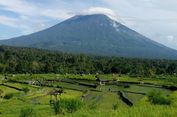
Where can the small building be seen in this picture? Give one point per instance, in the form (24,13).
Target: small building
(55,93)
(101,81)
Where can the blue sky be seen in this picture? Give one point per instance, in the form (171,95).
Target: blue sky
(156,19)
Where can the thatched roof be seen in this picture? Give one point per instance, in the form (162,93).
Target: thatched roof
(56,92)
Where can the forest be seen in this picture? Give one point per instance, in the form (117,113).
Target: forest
(26,60)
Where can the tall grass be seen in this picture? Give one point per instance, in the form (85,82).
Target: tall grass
(66,106)
(157,97)
(27,112)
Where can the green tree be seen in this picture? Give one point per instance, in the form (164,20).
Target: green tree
(35,67)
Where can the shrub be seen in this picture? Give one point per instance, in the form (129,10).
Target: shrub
(57,107)
(72,105)
(68,105)
(25,90)
(115,106)
(126,86)
(93,106)
(1,92)
(9,96)
(27,112)
(156,97)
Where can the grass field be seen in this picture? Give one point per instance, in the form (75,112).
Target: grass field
(101,101)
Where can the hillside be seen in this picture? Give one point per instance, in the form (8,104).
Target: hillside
(27,60)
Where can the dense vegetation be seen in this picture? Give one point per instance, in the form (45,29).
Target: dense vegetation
(26,60)
(157,97)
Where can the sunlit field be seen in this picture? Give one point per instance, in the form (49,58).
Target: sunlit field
(29,95)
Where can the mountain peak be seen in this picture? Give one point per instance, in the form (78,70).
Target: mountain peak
(88,17)
(91,15)
(96,19)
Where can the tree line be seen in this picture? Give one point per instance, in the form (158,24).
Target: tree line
(28,60)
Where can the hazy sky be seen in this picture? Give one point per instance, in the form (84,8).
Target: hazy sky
(156,19)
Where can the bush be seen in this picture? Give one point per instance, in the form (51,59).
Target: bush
(27,112)
(93,106)
(126,86)
(9,96)
(25,90)
(1,92)
(115,106)
(72,105)
(156,97)
(68,105)
(57,107)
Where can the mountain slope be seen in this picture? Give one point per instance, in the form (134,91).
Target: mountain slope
(94,34)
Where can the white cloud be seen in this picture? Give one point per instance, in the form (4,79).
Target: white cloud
(102,10)
(24,8)
(171,41)
(56,14)
(23,23)
(150,18)
(8,21)
(170,38)
(30,17)
(18,6)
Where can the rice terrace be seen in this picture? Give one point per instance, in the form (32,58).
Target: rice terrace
(110,95)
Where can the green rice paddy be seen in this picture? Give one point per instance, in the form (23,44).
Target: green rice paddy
(102,100)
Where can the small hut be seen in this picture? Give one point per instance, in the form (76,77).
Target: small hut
(55,93)
(115,77)
(101,81)
(5,79)
(35,82)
